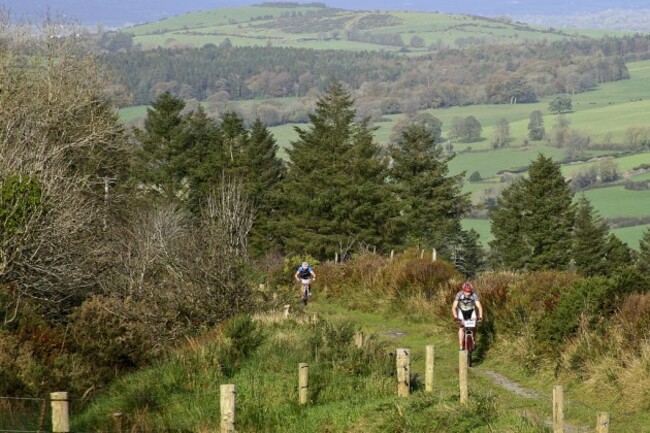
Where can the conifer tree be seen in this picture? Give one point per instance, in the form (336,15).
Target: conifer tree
(264,174)
(431,202)
(334,195)
(234,137)
(204,159)
(161,150)
(533,221)
(619,255)
(590,240)
(643,261)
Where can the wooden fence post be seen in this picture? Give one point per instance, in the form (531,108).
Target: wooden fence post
(462,377)
(403,372)
(60,412)
(286,311)
(428,370)
(358,339)
(117,422)
(227,408)
(392,254)
(602,422)
(434,255)
(558,409)
(303,382)
(422,254)
(336,257)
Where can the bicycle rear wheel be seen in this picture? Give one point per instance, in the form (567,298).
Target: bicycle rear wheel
(469,347)
(305,296)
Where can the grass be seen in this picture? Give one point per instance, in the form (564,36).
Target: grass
(243,26)
(182,394)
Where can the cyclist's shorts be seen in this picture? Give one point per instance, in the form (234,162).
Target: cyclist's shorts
(305,281)
(467,315)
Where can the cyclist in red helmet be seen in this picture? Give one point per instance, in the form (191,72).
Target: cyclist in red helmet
(465,307)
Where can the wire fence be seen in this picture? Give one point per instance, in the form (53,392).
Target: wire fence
(32,414)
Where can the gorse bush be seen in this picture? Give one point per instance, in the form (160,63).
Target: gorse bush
(371,279)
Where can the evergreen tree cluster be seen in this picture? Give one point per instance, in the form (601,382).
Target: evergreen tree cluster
(537,225)
(339,192)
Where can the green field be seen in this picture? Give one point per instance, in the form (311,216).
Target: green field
(326,28)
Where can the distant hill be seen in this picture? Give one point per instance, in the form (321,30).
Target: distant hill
(569,13)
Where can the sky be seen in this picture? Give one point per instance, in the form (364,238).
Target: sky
(118,13)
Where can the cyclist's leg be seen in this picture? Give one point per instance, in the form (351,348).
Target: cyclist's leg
(472,341)
(304,287)
(461,330)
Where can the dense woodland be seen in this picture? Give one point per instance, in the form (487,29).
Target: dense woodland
(163,231)
(388,82)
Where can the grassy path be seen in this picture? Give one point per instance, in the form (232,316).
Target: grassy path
(515,393)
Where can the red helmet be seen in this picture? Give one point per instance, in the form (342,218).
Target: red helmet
(467,287)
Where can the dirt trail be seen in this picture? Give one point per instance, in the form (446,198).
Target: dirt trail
(509,385)
(515,388)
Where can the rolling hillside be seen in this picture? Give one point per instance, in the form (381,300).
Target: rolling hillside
(604,115)
(329,28)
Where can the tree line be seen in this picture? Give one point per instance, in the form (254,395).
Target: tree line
(447,77)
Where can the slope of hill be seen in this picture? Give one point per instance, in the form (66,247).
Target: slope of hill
(400,302)
(120,13)
(326,28)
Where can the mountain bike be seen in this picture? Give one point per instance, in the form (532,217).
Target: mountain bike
(469,344)
(305,292)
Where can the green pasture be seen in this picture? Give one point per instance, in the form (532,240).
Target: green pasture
(480,226)
(631,235)
(624,164)
(245,27)
(215,17)
(617,201)
(489,163)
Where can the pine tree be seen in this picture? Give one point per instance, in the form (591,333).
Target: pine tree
(590,240)
(643,261)
(265,171)
(161,149)
(619,255)
(533,221)
(431,202)
(508,248)
(334,196)
(204,160)
(234,137)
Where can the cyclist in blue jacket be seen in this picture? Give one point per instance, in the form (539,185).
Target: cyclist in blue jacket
(305,275)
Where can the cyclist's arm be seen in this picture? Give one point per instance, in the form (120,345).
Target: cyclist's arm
(454,309)
(480,309)
(297,276)
(313,275)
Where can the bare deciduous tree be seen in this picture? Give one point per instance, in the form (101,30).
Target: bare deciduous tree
(57,129)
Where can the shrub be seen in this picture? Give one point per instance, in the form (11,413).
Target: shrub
(243,338)
(113,335)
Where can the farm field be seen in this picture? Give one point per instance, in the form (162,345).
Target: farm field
(327,28)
